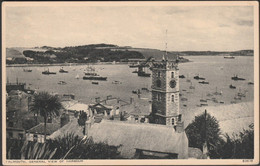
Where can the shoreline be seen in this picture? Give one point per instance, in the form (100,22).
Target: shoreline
(73,64)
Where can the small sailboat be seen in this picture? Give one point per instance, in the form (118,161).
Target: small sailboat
(203,100)
(62,70)
(240,94)
(77,76)
(191,87)
(232,86)
(217,93)
(62,83)
(27,70)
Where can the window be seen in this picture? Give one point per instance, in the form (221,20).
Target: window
(11,124)
(173,98)
(173,121)
(35,137)
(159,74)
(172,74)
(10,135)
(159,97)
(20,136)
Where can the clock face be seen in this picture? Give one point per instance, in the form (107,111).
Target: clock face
(172,83)
(158,83)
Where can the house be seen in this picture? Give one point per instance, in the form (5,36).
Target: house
(15,133)
(37,132)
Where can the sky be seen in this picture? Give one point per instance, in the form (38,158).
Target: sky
(189,28)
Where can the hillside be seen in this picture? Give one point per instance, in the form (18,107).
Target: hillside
(216,53)
(101,53)
(13,53)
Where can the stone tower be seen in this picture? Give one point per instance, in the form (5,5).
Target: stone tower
(165,93)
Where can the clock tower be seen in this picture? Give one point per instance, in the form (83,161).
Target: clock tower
(165,93)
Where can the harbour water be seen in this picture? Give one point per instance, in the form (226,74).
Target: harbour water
(215,69)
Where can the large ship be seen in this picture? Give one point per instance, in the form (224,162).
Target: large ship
(90,74)
(47,72)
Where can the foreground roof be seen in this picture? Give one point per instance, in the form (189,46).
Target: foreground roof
(71,128)
(39,129)
(151,137)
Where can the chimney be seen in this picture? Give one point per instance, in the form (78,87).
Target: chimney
(97,99)
(180,127)
(109,97)
(131,100)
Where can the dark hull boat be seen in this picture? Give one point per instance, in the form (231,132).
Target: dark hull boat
(63,71)
(95,78)
(236,78)
(181,76)
(96,83)
(198,78)
(232,87)
(203,82)
(229,57)
(48,72)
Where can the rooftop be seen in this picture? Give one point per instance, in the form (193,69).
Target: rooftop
(143,136)
(39,129)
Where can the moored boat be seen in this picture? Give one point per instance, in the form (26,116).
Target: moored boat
(97,77)
(62,83)
(236,78)
(232,87)
(63,71)
(27,70)
(47,72)
(229,57)
(198,78)
(181,76)
(203,82)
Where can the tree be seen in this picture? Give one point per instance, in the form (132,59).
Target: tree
(45,105)
(82,120)
(205,129)
(239,146)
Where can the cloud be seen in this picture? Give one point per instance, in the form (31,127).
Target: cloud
(189,28)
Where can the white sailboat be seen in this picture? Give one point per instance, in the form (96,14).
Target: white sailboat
(77,76)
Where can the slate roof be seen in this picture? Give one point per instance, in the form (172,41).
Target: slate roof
(39,129)
(71,127)
(142,136)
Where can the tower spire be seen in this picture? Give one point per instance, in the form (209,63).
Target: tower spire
(166,44)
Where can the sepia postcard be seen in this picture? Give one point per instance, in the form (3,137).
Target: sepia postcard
(130,83)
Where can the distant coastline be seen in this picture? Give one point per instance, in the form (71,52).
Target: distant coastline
(100,54)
